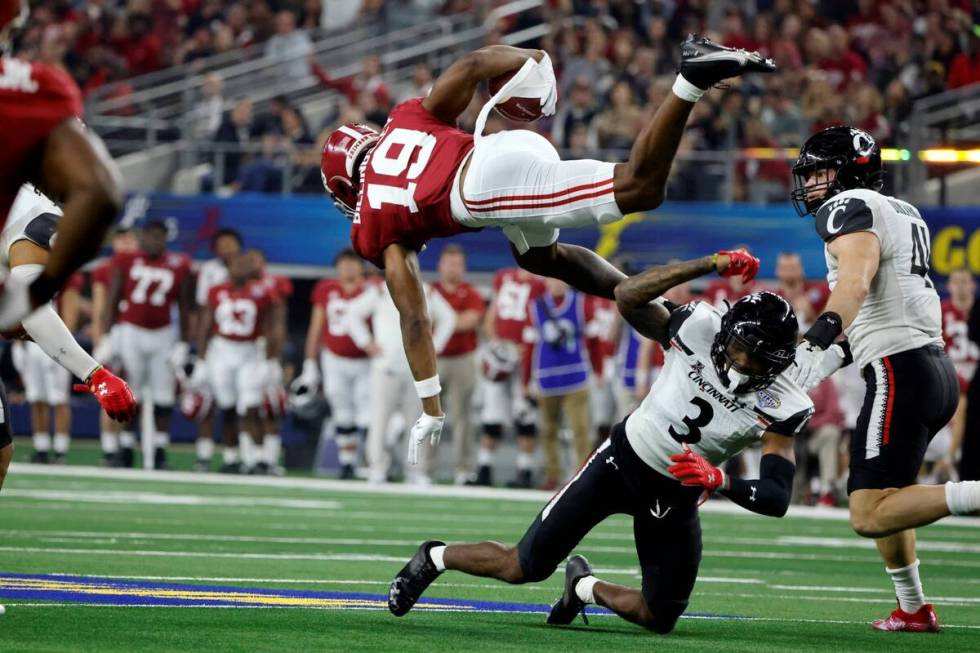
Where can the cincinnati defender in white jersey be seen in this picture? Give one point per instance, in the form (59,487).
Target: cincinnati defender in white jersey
(877,250)
(724,367)
(902,308)
(689,404)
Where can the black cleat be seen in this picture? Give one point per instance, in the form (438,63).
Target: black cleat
(484,477)
(412,580)
(125,458)
(41,457)
(160,458)
(231,468)
(347,473)
(704,63)
(260,469)
(569,605)
(59,458)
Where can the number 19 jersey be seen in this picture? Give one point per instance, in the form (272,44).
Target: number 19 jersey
(406,182)
(901,311)
(689,404)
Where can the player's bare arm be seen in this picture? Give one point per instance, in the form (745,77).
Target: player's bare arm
(404,282)
(6,455)
(454,89)
(858,255)
(204,330)
(635,296)
(274,329)
(577,266)
(76,168)
(185,305)
(313,334)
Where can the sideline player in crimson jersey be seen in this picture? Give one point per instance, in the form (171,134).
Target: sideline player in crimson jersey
(961,350)
(146,285)
(238,313)
(274,399)
(346,368)
(504,395)
(422,178)
(45,144)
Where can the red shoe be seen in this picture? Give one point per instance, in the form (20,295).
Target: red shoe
(827,500)
(922,621)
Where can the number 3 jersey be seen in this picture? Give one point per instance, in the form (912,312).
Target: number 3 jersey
(688,402)
(150,286)
(406,181)
(901,311)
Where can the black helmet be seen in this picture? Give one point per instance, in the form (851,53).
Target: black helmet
(764,325)
(852,152)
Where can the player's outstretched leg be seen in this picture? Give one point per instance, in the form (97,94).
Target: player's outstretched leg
(569,604)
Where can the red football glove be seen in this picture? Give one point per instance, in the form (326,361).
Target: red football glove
(740,263)
(694,470)
(112,393)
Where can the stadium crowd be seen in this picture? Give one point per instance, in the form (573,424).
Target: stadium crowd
(861,62)
(520,355)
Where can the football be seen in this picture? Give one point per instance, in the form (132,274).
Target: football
(519,109)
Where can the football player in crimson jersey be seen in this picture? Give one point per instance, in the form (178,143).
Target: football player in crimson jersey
(724,386)
(145,287)
(274,400)
(239,312)
(504,394)
(346,368)
(47,145)
(105,341)
(422,178)
(963,351)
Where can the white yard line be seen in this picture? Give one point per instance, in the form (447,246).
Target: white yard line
(397,489)
(161,498)
(461,611)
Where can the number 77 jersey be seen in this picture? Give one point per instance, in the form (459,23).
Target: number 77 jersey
(150,286)
(688,404)
(406,182)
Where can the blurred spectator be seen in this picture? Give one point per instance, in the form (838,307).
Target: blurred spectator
(364,85)
(235,129)
(560,373)
(339,14)
(264,174)
(291,46)
(822,442)
(807,297)
(962,351)
(457,365)
(205,117)
(783,117)
(617,126)
(578,110)
(418,86)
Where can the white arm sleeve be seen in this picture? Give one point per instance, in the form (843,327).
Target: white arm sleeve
(44,325)
(443,320)
(359,310)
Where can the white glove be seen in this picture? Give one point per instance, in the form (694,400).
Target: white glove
(427,426)
(15,303)
(814,364)
(199,375)
(308,379)
(180,354)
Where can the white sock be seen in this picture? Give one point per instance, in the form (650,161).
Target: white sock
(229,455)
(161,439)
(908,587)
(584,587)
(271,446)
(42,442)
(525,461)
(246,445)
(127,439)
(204,448)
(685,90)
(962,498)
(347,448)
(436,554)
(61,442)
(484,457)
(110,442)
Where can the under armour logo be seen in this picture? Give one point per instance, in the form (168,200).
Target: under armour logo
(102,390)
(658,513)
(752,496)
(610,460)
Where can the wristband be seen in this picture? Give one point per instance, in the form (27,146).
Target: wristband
(428,387)
(685,90)
(825,330)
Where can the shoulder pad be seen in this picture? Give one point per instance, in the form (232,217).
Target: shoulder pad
(844,214)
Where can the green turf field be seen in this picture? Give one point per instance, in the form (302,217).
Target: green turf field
(303,565)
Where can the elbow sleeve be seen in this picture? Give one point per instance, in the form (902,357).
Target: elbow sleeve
(769,494)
